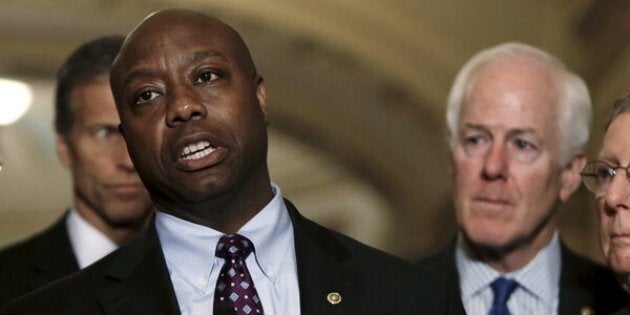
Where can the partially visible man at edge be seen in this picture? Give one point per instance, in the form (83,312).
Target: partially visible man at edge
(608,178)
(518,121)
(110,204)
(194,115)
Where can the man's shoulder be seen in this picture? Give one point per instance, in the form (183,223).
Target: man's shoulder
(583,281)
(77,293)
(387,282)
(55,296)
(439,260)
(21,249)
(35,261)
(369,257)
(351,251)
(579,268)
(376,262)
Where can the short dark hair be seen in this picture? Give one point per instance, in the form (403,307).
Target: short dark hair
(91,60)
(621,105)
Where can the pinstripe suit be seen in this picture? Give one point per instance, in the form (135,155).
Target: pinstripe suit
(583,283)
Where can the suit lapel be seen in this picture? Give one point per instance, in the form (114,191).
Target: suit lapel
(448,266)
(321,274)
(573,296)
(53,243)
(443,264)
(142,281)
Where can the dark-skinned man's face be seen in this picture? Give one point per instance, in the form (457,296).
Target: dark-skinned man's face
(192,109)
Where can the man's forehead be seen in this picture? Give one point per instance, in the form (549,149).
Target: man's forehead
(499,127)
(173,32)
(182,35)
(175,46)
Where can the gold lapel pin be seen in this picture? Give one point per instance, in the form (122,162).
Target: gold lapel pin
(333,298)
(586,310)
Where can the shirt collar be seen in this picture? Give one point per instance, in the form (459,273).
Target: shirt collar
(540,277)
(190,247)
(88,243)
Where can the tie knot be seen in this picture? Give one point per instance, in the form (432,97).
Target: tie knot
(502,289)
(234,245)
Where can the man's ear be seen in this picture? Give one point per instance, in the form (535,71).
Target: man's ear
(261,95)
(570,177)
(451,156)
(63,150)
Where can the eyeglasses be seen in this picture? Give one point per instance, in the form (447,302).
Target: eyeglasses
(597,175)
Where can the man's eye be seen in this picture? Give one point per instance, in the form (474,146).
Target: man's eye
(207,77)
(103,133)
(475,144)
(146,96)
(523,144)
(473,140)
(604,173)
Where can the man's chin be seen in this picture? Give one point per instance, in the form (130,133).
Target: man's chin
(126,222)
(488,238)
(620,262)
(491,245)
(124,217)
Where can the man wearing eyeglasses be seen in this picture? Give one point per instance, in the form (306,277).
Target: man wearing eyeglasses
(518,122)
(609,179)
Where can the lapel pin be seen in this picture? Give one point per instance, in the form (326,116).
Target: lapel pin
(586,310)
(333,298)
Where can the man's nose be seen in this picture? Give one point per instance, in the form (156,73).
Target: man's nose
(494,163)
(183,106)
(617,195)
(123,160)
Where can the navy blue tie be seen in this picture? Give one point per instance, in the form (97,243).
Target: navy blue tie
(502,289)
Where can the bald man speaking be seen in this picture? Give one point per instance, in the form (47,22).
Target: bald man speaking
(194,115)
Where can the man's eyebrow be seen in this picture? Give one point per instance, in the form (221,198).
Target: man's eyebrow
(475,127)
(137,74)
(520,131)
(194,57)
(608,158)
(510,132)
(206,54)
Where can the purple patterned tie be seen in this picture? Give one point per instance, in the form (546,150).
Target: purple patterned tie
(235,288)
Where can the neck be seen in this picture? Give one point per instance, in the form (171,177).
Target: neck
(119,234)
(514,256)
(226,212)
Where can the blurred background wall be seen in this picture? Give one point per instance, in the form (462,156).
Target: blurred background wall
(357,91)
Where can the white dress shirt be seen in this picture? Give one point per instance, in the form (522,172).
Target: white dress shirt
(539,282)
(189,250)
(88,243)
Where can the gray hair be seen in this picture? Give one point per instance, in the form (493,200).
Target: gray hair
(621,105)
(574,98)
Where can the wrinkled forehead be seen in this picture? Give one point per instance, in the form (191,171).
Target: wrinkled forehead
(165,35)
(517,84)
(616,143)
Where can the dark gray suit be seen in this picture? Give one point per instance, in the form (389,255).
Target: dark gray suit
(135,280)
(34,262)
(583,283)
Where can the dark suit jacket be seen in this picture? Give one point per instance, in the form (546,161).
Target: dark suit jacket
(135,280)
(623,311)
(34,262)
(583,283)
